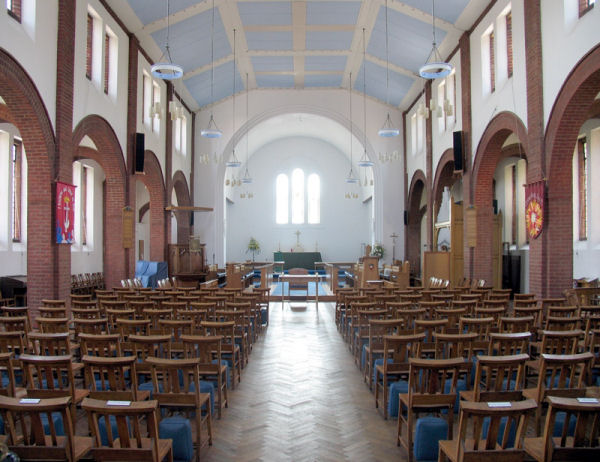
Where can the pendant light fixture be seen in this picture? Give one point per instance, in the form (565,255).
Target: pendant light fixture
(247,179)
(234,162)
(364,160)
(212,130)
(164,68)
(387,130)
(434,66)
(351,179)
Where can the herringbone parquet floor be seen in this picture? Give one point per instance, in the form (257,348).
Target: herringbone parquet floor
(302,399)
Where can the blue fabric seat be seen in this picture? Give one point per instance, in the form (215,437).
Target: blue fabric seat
(179,430)
(58,423)
(379,362)
(428,432)
(401,386)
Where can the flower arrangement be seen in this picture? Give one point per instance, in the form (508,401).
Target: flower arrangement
(377,250)
(254,247)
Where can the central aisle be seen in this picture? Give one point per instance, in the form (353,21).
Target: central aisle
(302,398)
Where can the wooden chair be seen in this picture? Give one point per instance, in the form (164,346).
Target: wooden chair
(506,344)
(126,327)
(52,325)
(196,316)
(54,303)
(15,323)
(86,313)
(128,444)
(498,378)
(90,326)
(240,331)
(431,388)
(479,442)
(146,346)
(560,375)
(207,349)
(582,445)
(378,329)
(51,377)
(106,345)
(230,350)
(360,337)
(8,387)
(113,378)
(155,315)
(177,387)
(510,324)
(397,350)
(31,442)
(53,312)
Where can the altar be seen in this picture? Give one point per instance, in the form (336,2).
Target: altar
(298,259)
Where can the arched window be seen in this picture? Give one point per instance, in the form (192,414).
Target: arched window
(313,187)
(297,196)
(281,199)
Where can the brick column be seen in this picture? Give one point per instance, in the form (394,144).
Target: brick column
(63,168)
(132,87)
(538,271)
(465,85)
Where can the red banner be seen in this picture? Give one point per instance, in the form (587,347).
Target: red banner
(65,213)
(534,208)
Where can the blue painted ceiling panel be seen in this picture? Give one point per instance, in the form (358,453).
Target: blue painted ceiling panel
(325,63)
(409,40)
(332,12)
(265,13)
(150,10)
(328,40)
(448,10)
(275,81)
(269,40)
(272,63)
(376,86)
(190,41)
(199,85)
(323,80)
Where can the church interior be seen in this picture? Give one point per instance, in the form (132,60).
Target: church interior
(299,230)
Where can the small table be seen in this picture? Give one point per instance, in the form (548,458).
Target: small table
(300,278)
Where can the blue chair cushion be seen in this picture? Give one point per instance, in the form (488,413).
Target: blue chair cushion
(401,386)
(113,428)
(148,386)
(379,362)
(559,422)
(58,423)
(428,432)
(512,431)
(207,387)
(179,430)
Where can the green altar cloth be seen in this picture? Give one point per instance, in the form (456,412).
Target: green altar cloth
(298,259)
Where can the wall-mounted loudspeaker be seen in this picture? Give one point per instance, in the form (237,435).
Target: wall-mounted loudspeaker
(139,152)
(458,151)
(405,217)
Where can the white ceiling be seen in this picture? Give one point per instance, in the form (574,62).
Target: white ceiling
(298,44)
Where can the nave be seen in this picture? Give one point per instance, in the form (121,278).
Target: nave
(302,398)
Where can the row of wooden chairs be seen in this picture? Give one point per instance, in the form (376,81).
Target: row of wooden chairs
(86,283)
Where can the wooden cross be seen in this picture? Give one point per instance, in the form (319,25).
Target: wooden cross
(297,233)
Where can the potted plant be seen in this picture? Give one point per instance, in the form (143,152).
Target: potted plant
(377,250)
(254,247)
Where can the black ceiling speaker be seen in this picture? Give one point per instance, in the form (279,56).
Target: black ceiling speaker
(139,152)
(458,151)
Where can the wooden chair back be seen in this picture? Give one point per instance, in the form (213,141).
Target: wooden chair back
(111,377)
(126,327)
(130,442)
(90,326)
(499,378)
(106,345)
(53,325)
(14,323)
(561,342)
(563,375)
(7,388)
(53,312)
(473,444)
(449,346)
(511,324)
(506,344)
(27,437)
(432,382)
(54,303)
(583,444)
(400,348)
(50,344)
(86,313)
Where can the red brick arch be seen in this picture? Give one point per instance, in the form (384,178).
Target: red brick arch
(26,110)
(415,216)
(154,182)
(180,185)
(570,110)
(444,176)
(489,154)
(110,157)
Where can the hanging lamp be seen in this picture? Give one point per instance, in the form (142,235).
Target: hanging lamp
(234,162)
(435,67)
(351,179)
(247,179)
(212,130)
(164,68)
(387,130)
(364,160)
